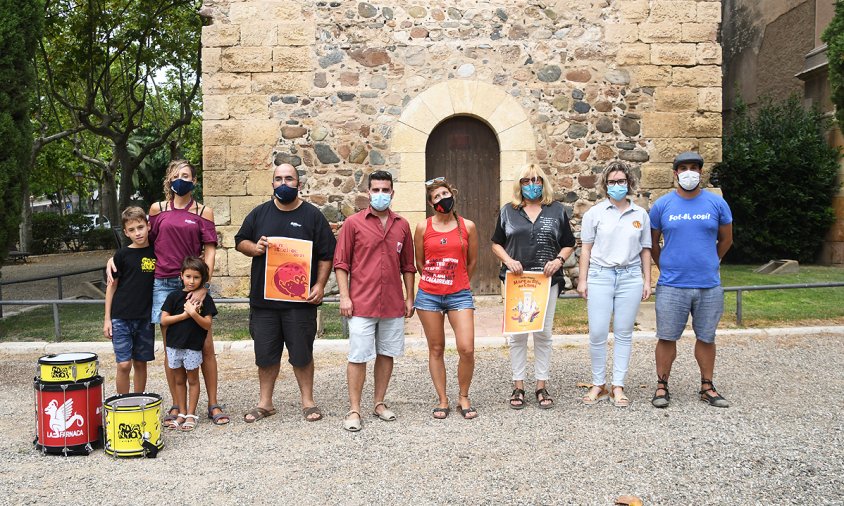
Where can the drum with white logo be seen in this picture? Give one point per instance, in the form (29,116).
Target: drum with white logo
(67,367)
(68,416)
(133,425)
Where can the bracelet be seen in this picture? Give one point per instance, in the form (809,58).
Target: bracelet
(561,259)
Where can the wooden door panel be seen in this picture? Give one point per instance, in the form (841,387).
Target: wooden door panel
(465,151)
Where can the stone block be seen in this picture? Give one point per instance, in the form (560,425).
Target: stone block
(665,149)
(505,191)
(224,183)
(709,99)
(260,132)
(709,54)
(408,197)
(234,286)
(709,12)
(511,162)
(683,11)
(247,59)
(215,107)
(673,54)
(487,99)
(674,124)
(406,139)
(211,59)
(705,75)
(700,32)
(294,58)
(508,114)
(248,12)
(664,32)
(651,75)
(462,93)
(414,218)
(227,233)
(221,262)
(259,181)
(518,137)
(287,82)
(224,83)
(221,133)
(657,175)
(248,106)
(710,150)
(296,34)
(633,54)
(671,98)
(615,33)
(246,157)
(213,157)
(220,35)
(241,206)
(239,264)
(222,211)
(438,100)
(412,167)
(258,33)
(634,11)
(419,116)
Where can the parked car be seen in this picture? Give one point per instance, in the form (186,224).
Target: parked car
(98,221)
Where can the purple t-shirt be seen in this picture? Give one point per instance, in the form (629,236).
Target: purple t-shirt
(178,234)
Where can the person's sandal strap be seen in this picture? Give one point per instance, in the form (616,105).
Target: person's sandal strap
(517,399)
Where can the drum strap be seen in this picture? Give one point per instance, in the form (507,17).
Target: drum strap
(150,450)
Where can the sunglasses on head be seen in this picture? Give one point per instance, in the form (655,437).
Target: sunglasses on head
(435,180)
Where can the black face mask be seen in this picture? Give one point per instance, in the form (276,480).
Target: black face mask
(445,205)
(181,187)
(286,194)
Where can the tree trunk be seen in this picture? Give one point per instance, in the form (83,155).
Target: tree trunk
(128,165)
(108,196)
(25,238)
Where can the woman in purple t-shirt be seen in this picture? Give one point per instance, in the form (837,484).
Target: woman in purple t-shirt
(181,227)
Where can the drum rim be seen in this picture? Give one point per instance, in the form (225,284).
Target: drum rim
(56,386)
(93,358)
(156,402)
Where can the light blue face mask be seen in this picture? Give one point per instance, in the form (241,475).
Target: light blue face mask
(617,192)
(532,191)
(380,201)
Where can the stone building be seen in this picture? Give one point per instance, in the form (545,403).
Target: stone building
(469,90)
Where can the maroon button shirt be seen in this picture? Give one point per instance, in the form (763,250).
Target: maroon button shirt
(375,258)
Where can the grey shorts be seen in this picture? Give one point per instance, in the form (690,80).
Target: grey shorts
(178,358)
(674,305)
(371,336)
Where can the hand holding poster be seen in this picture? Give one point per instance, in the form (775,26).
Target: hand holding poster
(288,269)
(525,301)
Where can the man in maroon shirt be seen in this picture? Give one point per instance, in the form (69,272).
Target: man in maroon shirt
(374,255)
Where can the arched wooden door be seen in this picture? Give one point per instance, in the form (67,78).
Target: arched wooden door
(465,151)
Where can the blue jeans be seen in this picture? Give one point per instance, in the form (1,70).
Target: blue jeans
(161,288)
(612,292)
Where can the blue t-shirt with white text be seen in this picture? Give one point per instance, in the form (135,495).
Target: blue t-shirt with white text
(689,256)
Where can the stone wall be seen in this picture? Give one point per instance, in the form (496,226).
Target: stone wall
(342,88)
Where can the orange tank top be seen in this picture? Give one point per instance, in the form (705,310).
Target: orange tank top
(445,271)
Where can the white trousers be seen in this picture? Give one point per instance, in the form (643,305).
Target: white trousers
(542,345)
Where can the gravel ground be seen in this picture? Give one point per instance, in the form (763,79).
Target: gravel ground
(771,447)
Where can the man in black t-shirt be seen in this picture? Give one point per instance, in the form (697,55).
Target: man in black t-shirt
(276,323)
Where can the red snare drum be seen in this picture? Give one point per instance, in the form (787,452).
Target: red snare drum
(68,416)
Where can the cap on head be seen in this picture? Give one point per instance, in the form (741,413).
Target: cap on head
(688,157)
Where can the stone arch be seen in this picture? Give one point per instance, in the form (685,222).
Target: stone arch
(457,97)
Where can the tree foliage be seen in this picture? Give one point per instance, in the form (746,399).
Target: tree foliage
(834,38)
(778,175)
(20,28)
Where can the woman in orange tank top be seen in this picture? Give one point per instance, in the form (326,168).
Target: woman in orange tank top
(446,248)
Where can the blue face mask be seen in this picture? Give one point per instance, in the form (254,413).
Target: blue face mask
(617,192)
(380,201)
(286,194)
(181,187)
(532,191)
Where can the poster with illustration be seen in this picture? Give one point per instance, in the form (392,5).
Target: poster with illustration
(288,269)
(525,299)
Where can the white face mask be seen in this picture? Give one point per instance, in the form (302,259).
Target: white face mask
(689,180)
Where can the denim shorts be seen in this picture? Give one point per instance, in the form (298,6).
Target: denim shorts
(369,337)
(444,303)
(674,305)
(161,288)
(178,358)
(133,340)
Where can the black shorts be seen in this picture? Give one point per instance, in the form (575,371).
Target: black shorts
(271,329)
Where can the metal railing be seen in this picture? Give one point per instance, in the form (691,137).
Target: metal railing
(57,324)
(58,277)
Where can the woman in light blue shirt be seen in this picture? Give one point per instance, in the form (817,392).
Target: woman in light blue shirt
(615,276)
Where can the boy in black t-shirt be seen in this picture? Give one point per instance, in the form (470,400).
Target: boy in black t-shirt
(185,325)
(128,303)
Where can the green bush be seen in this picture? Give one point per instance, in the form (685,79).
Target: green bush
(99,238)
(834,38)
(778,175)
(75,228)
(48,231)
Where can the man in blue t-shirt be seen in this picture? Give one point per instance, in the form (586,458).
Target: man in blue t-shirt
(698,230)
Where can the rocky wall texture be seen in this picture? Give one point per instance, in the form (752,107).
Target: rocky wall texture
(322,85)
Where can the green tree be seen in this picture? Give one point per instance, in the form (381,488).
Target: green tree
(834,38)
(20,28)
(113,64)
(778,175)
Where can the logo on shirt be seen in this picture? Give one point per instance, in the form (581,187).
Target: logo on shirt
(147,264)
(398,247)
(637,224)
(688,216)
(294,224)
(189,221)
(443,241)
